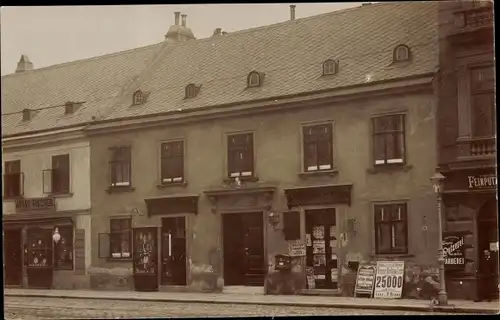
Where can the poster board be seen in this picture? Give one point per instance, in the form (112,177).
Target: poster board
(365,280)
(453,251)
(389,280)
(297,249)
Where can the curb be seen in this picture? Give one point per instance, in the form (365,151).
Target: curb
(449,309)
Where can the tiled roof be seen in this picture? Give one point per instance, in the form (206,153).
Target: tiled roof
(291,56)
(94,81)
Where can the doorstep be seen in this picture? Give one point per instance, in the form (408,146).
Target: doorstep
(321,292)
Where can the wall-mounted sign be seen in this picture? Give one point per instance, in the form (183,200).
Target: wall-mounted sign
(35,204)
(365,279)
(389,279)
(487,181)
(453,251)
(297,249)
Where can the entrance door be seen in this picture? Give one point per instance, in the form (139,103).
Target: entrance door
(40,265)
(13,257)
(173,251)
(145,256)
(487,226)
(321,250)
(243,241)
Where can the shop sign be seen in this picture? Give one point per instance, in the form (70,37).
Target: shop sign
(35,204)
(453,251)
(487,181)
(389,279)
(296,249)
(365,279)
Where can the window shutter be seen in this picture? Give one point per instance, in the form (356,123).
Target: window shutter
(291,228)
(104,245)
(80,251)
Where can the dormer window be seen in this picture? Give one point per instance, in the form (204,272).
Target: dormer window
(330,67)
(191,91)
(254,79)
(401,53)
(138,98)
(71,107)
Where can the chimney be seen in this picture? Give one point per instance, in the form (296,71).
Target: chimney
(177,14)
(184,20)
(292,12)
(217,31)
(24,64)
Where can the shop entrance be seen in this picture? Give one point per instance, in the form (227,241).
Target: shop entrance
(243,242)
(145,257)
(487,236)
(173,251)
(40,264)
(12,256)
(321,249)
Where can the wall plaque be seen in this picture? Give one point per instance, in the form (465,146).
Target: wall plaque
(35,204)
(453,251)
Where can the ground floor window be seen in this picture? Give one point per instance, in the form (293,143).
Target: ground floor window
(121,238)
(391,228)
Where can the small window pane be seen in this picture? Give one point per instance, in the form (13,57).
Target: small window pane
(384,238)
(400,236)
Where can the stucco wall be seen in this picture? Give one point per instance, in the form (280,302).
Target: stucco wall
(278,161)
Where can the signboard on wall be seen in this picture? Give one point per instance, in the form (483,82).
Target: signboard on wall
(486,181)
(296,249)
(35,204)
(453,251)
(365,279)
(389,279)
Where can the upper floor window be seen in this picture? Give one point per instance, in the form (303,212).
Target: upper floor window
(120,238)
(13,179)
(483,101)
(240,155)
(330,67)
(63,249)
(254,79)
(172,161)
(120,166)
(389,139)
(191,91)
(401,53)
(138,98)
(318,152)
(391,228)
(60,173)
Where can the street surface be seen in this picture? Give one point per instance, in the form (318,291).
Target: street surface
(55,308)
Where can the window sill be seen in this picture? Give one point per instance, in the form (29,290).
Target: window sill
(119,259)
(118,189)
(384,168)
(242,179)
(164,185)
(392,255)
(307,174)
(60,195)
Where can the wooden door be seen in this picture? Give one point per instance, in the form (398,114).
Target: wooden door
(173,251)
(233,249)
(13,257)
(253,242)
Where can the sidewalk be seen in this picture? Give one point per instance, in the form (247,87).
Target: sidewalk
(459,306)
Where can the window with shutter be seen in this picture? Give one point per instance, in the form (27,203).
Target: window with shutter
(12,179)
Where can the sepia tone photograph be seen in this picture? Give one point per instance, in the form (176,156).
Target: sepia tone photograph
(249,160)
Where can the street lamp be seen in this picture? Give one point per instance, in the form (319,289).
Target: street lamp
(438,185)
(56,236)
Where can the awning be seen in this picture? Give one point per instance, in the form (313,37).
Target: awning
(172,205)
(321,195)
(41,217)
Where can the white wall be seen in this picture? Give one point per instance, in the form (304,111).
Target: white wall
(35,160)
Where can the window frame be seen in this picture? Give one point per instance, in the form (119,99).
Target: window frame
(10,172)
(71,246)
(473,92)
(191,91)
(392,223)
(229,165)
(182,155)
(395,133)
(117,159)
(317,141)
(120,235)
(55,171)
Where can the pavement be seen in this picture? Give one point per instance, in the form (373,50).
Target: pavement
(454,306)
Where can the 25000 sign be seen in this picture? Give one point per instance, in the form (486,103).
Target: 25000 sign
(389,282)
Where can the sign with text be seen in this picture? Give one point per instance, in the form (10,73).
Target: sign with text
(297,249)
(365,279)
(453,251)
(35,204)
(486,181)
(389,279)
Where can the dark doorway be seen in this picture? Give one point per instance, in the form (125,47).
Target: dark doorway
(321,249)
(40,264)
(13,257)
(173,251)
(145,256)
(487,236)
(243,240)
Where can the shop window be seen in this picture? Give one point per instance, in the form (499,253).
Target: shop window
(391,229)
(483,102)
(13,179)
(172,162)
(120,167)
(318,154)
(63,250)
(389,139)
(240,155)
(120,238)
(291,225)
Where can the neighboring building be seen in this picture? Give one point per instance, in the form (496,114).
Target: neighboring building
(467,143)
(46,163)
(233,148)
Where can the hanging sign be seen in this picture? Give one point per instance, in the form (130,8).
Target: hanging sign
(365,279)
(453,251)
(389,279)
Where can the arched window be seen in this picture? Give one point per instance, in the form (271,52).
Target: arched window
(329,67)
(254,79)
(191,91)
(401,53)
(138,98)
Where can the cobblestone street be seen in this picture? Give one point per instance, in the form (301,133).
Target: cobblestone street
(52,308)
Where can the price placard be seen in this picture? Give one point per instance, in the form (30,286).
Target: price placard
(389,279)
(365,279)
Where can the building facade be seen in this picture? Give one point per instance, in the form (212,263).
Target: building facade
(213,177)
(467,144)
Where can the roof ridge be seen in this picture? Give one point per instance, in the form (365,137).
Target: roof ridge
(82,60)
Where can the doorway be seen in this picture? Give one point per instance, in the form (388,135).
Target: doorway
(487,236)
(173,251)
(321,249)
(13,257)
(243,243)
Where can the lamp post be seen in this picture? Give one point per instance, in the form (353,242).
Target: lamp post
(56,236)
(438,185)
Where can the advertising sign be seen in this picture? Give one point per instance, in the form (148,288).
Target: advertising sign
(297,249)
(453,251)
(389,279)
(365,279)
